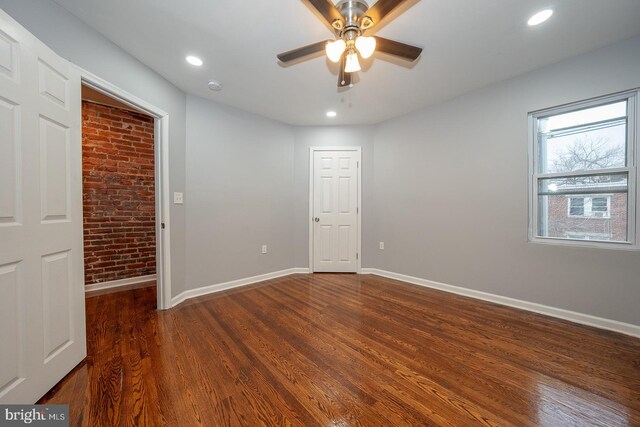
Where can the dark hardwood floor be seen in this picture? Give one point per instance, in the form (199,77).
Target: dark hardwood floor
(342,350)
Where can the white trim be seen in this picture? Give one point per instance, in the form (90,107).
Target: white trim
(88,289)
(357,149)
(109,89)
(205,290)
(572,316)
(163,206)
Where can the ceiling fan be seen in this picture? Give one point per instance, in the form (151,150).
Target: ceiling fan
(350,20)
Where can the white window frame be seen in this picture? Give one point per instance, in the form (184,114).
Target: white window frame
(633,159)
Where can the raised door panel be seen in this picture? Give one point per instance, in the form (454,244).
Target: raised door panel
(11,327)
(8,57)
(344,195)
(56,303)
(54,170)
(53,86)
(345,250)
(344,163)
(326,163)
(325,245)
(326,195)
(10,202)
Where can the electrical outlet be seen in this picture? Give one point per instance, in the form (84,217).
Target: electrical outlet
(178,198)
(382,246)
(264,249)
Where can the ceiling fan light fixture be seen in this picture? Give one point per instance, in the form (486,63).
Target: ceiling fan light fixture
(352,64)
(335,49)
(366,46)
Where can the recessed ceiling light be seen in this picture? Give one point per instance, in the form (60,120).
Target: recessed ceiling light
(194,60)
(540,17)
(331,114)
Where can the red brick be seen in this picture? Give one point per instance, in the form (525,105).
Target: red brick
(118,193)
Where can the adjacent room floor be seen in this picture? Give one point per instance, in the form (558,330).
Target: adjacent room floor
(340,350)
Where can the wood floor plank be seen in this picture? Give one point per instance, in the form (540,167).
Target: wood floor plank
(344,350)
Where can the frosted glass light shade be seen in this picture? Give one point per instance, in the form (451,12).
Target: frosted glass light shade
(352,64)
(334,50)
(366,46)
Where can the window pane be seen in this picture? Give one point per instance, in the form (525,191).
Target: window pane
(583,208)
(576,206)
(588,115)
(599,204)
(595,138)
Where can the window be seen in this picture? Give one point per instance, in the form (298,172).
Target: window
(583,173)
(593,207)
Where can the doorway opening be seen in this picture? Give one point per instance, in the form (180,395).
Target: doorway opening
(161,174)
(118,194)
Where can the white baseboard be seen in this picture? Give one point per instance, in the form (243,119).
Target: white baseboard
(581,318)
(192,293)
(584,319)
(118,283)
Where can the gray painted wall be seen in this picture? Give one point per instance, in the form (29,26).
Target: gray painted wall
(306,137)
(239,194)
(72,39)
(451,193)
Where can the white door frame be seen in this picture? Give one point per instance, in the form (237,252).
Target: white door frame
(161,149)
(358,150)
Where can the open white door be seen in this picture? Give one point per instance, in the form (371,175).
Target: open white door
(42,325)
(335,210)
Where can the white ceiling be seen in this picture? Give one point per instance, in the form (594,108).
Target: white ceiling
(467,44)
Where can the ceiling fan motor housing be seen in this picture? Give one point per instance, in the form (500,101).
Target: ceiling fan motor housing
(352,11)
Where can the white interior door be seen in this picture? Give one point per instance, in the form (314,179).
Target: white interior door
(42,326)
(335,211)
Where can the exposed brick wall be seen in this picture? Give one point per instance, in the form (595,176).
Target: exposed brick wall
(118,193)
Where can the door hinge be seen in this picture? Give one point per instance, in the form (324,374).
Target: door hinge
(357,164)
(356,255)
(162,225)
(357,210)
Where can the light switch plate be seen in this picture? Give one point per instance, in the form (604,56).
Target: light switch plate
(178,198)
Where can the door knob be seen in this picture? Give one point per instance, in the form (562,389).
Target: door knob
(316,219)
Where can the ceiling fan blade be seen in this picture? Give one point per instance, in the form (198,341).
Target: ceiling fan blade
(294,54)
(398,49)
(344,79)
(328,10)
(382,8)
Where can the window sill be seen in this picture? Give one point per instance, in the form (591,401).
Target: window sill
(593,244)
